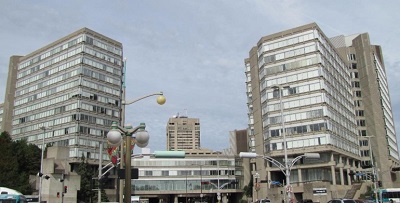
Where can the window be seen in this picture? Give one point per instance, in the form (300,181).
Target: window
(358,93)
(363,143)
(359,112)
(355,84)
(360,122)
(352,57)
(364,153)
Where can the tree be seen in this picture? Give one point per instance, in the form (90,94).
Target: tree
(103,196)
(85,194)
(28,159)
(102,184)
(248,189)
(19,160)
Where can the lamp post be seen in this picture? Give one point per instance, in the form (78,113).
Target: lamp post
(256,177)
(285,168)
(373,168)
(41,163)
(115,138)
(219,190)
(280,89)
(218,186)
(141,139)
(201,184)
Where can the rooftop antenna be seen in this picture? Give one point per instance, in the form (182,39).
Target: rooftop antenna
(186,113)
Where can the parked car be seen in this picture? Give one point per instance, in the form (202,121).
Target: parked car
(342,201)
(265,201)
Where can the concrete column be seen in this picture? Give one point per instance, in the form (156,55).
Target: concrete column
(176,199)
(341,176)
(333,175)
(300,177)
(348,177)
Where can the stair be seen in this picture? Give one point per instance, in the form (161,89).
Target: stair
(350,193)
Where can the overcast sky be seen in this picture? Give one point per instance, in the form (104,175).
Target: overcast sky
(194,51)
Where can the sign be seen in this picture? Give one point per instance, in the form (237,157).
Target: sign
(134,173)
(319,191)
(289,188)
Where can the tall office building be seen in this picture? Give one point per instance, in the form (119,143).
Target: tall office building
(374,116)
(72,87)
(183,133)
(299,90)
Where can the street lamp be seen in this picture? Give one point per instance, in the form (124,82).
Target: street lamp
(201,182)
(141,139)
(280,89)
(218,186)
(373,168)
(257,186)
(41,162)
(284,168)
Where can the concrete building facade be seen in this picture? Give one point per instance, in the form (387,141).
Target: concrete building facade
(183,133)
(72,87)
(372,103)
(298,84)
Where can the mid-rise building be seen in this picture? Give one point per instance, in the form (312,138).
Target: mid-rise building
(196,178)
(67,93)
(301,100)
(183,133)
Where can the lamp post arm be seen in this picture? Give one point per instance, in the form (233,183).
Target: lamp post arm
(138,99)
(276,163)
(131,130)
(225,184)
(295,160)
(215,185)
(108,165)
(106,171)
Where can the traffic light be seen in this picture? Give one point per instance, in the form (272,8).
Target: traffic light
(65,189)
(379,183)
